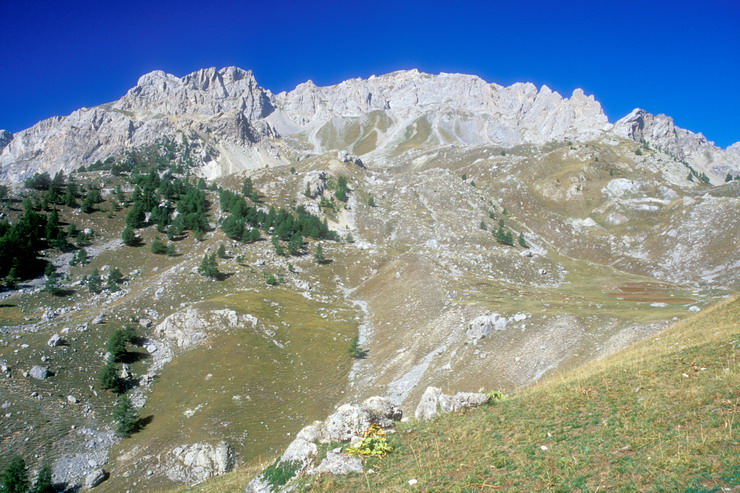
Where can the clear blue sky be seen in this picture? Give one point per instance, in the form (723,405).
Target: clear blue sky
(676,57)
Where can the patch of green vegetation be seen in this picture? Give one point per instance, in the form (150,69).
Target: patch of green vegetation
(658,416)
(279,473)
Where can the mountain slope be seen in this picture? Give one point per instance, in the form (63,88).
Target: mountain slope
(381,117)
(660,415)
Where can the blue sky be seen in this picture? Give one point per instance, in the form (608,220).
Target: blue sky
(676,57)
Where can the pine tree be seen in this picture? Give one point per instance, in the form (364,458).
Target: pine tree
(271,280)
(221,251)
(171,251)
(116,345)
(295,244)
(209,266)
(51,285)
(728,177)
(247,187)
(371,201)
(108,377)
(522,241)
(158,247)
(341,192)
(129,237)
(126,417)
(44,483)
(15,476)
(319,254)
(93,282)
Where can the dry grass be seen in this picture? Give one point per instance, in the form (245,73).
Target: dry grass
(659,416)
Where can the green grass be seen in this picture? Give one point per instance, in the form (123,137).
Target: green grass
(658,416)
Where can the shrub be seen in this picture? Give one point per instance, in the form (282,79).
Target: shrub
(374,443)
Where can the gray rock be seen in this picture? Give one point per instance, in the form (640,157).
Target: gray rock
(300,450)
(433,403)
(337,463)
(72,399)
(484,325)
(99,319)
(145,323)
(94,478)
(382,411)
(190,327)
(55,340)
(39,372)
(259,485)
(194,463)
(348,421)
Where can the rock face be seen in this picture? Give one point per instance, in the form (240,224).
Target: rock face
(346,424)
(693,148)
(444,108)
(378,117)
(190,327)
(5,138)
(194,463)
(434,402)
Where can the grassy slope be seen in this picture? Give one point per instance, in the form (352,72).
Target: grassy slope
(658,416)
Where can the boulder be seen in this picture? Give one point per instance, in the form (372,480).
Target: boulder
(382,411)
(337,463)
(348,421)
(299,450)
(39,372)
(433,403)
(196,462)
(484,325)
(55,340)
(94,478)
(314,184)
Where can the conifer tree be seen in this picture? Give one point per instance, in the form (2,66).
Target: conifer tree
(126,417)
(128,236)
(15,476)
(108,377)
(93,282)
(44,482)
(51,285)
(319,254)
(209,266)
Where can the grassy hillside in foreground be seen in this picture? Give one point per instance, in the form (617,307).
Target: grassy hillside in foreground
(658,416)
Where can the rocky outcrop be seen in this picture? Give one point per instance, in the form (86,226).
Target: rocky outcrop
(484,325)
(194,463)
(660,131)
(5,138)
(439,109)
(190,327)
(337,463)
(236,122)
(434,402)
(346,424)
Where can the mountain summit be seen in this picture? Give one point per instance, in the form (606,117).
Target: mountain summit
(380,118)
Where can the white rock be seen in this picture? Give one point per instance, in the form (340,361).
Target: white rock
(194,463)
(94,478)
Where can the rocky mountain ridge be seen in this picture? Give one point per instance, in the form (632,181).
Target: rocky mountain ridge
(245,126)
